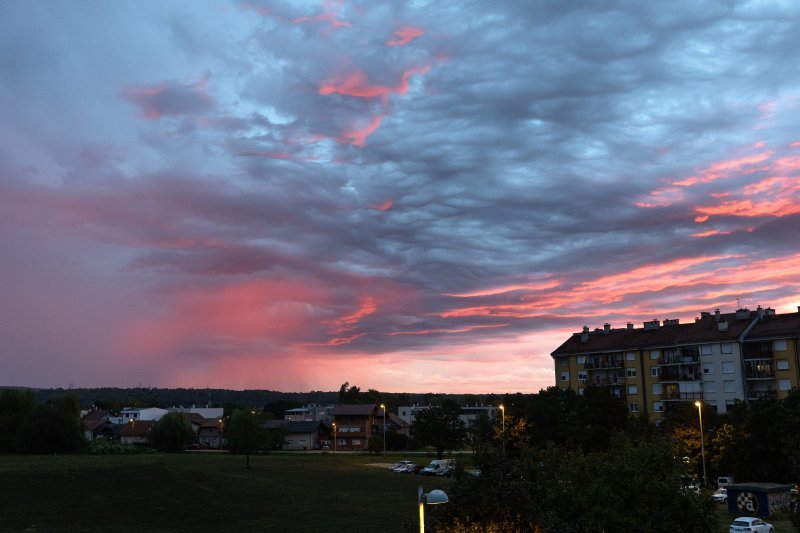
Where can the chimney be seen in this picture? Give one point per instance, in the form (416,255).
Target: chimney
(716,314)
(744,313)
(585,334)
(653,324)
(629,325)
(671,322)
(606,328)
(704,314)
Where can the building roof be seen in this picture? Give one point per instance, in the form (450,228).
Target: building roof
(655,334)
(776,326)
(397,421)
(137,429)
(361,409)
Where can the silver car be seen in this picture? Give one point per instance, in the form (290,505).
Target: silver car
(751,525)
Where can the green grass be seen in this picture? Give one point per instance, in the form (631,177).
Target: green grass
(206,492)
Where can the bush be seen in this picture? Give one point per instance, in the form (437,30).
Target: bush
(172,433)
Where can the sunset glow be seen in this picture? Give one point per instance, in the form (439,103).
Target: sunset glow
(408,196)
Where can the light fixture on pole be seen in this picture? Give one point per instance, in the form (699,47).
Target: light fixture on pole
(433,497)
(384,429)
(334,436)
(702,440)
(503,411)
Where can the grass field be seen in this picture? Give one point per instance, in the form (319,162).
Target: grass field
(214,492)
(191,492)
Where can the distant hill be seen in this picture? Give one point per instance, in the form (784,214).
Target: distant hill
(115,398)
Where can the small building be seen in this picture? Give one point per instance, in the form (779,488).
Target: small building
(758,499)
(139,413)
(354,424)
(209,435)
(136,432)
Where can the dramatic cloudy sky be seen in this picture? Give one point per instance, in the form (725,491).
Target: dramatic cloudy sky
(410,196)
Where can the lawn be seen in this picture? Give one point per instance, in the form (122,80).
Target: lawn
(207,492)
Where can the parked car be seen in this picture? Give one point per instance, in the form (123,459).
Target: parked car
(720,495)
(724,481)
(447,471)
(412,469)
(399,466)
(436,466)
(750,524)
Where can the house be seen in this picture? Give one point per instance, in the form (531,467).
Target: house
(468,414)
(717,359)
(95,423)
(139,413)
(209,434)
(195,420)
(135,432)
(214,413)
(321,413)
(354,424)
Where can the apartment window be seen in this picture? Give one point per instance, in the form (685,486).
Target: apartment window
(564,361)
(658,407)
(654,354)
(581,359)
(706,349)
(356,442)
(565,376)
(583,375)
(634,407)
(632,389)
(708,368)
(630,372)
(784,384)
(726,347)
(780,345)
(654,371)
(727,367)
(656,388)
(730,386)
(709,386)
(782,364)
(630,356)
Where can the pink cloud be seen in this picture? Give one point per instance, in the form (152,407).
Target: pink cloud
(169,98)
(405,35)
(357,84)
(383,206)
(359,136)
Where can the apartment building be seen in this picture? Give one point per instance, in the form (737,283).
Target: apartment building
(719,358)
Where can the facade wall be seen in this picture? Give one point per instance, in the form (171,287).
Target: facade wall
(724,367)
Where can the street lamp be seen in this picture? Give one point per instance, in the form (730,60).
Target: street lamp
(702,440)
(503,411)
(384,429)
(434,497)
(334,436)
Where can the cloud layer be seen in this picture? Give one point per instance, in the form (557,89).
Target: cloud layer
(420,197)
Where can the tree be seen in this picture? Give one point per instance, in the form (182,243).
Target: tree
(52,427)
(245,433)
(630,487)
(440,426)
(172,433)
(349,395)
(15,406)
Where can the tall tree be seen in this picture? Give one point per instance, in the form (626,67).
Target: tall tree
(440,426)
(245,433)
(52,427)
(172,433)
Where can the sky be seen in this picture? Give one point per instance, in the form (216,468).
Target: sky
(416,196)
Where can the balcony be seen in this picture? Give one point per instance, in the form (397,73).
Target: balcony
(757,350)
(679,360)
(676,373)
(602,365)
(609,380)
(672,396)
(768,394)
(755,369)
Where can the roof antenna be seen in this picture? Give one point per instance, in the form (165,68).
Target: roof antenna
(738,305)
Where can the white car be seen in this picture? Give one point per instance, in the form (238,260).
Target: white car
(400,466)
(720,496)
(750,524)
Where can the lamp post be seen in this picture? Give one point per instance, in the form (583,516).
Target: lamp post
(133,426)
(384,429)
(702,440)
(334,436)
(433,497)
(503,411)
